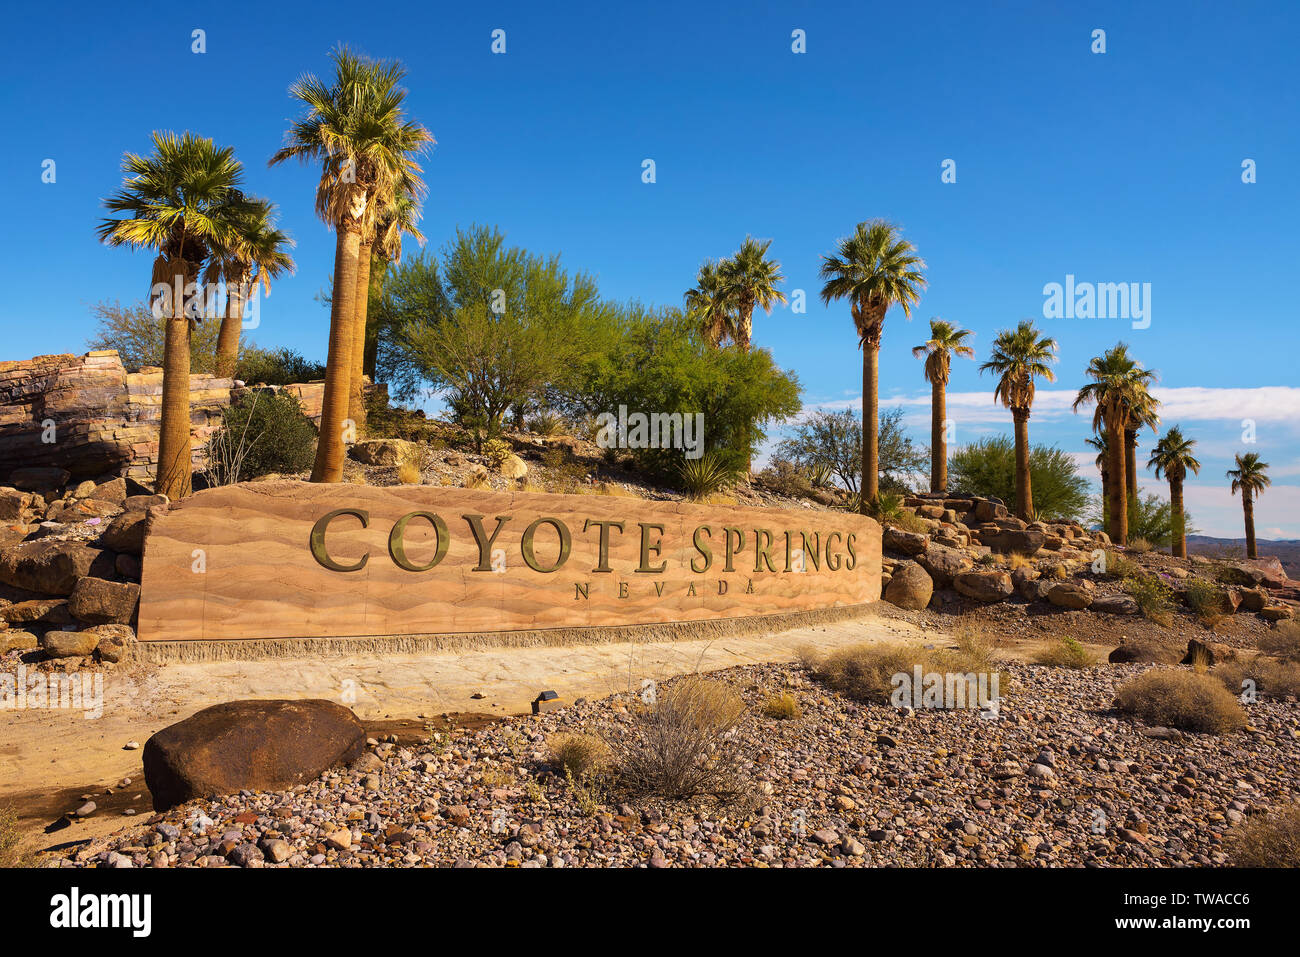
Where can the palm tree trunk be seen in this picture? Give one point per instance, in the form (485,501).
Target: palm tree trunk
(232,327)
(1118,529)
(361,303)
(1248,506)
(338,362)
(746,324)
(1130,462)
(870,424)
(174,469)
(1176,510)
(1024,493)
(938,449)
(1105,500)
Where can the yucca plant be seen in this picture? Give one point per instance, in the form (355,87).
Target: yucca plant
(705,476)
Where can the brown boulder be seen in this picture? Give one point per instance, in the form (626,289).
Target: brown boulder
(386,452)
(113,492)
(254,745)
(69,644)
(39,478)
(1210,652)
(43,611)
(1276,612)
(1073,594)
(985,586)
(126,533)
(100,602)
(115,641)
(140,503)
(1254,599)
(15,639)
(942,563)
(51,568)
(910,587)
(1115,605)
(1143,652)
(15,506)
(905,543)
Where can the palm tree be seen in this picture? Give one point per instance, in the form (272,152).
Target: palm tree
(749,279)
(258,254)
(874,269)
(710,307)
(358,132)
(398,216)
(1173,456)
(1117,386)
(1100,443)
(945,341)
(1250,477)
(1019,357)
(182,201)
(1142,412)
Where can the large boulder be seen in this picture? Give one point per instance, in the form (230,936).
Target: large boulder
(942,563)
(1025,541)
(985,586)
(50,612)
(15,506)
(1276,612)
(126,532)
(1143,652)
(39,478)
(910,587)
(69,644)
(1072,594)
(99,602)
(15,639)
(988,509)
(1254,599)
(905,543)
(1115,605)
(513,467)
(255,745)
(383,451)
(52,567)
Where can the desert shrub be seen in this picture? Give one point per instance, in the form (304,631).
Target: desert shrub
(783,707)
(12,853)
(1066,653)
(785,478)
(578,754)
(821,475)
(681,746)
(831,442)
(1138,545)
(988,468)
(708,474)
(1180,699)
(1266,840)
(276,367)
(262,432)
(497,451)
(910,522)
(1282,642)
(1154,598)
(865,672)
(1118,565)
(138,337)
(885,505)
(1208,600)
(408,473)
(1150,520)
(1018,560)
(1266,676)
(546,423)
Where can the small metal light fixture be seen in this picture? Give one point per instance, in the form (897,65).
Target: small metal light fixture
(547,701)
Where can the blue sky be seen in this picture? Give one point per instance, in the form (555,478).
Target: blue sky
(1124,166)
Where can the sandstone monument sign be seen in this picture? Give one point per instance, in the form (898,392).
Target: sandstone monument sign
(292,560)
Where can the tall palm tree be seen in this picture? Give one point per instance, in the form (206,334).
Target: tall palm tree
(749,279)
(397,216)
(1250,477)
(358,132)
(874,269)
(945,341)
(182,201)
(1102,445)
(258,254)
(1173,456)
(1118,383)
(1019,357)
(708,304)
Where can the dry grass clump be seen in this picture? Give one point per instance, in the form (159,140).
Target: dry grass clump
(865,672)
(408,473)
(1266,676)
(578,754)
(1154,597)
(1066,653)
(1018,560)
(1266,840)
(1207,600)
(1119,566)
(1138,546)
(909,521)
(12,853)
(682,746)
(782,707)
(1180,699)
(1282,642)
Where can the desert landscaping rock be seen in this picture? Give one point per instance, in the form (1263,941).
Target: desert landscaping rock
(985,586)
(126,532)
(15,639)
(942,563)
(384,451)
(909,587)
(253,745)
(1075,594)
(1115,605)
(69,644)
(51,567)
(905,543)
(100,602)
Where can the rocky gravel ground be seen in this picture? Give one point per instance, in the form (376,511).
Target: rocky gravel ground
(1057,779)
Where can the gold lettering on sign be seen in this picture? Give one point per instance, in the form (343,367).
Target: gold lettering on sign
(318,551)
(397,542)
(526,543)
(485,545)
(603,564)
(648,547)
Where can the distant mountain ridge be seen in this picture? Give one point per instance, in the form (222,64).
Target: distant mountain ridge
(1287,551)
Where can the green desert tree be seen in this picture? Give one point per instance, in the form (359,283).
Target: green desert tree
(182,201)
(987,467)
(833,440)
(1118,385)
(357,130)
(1020,356)
(1172,457)
(258,253)
(945,341)
(749,279)
(1250,478)
(874,269)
